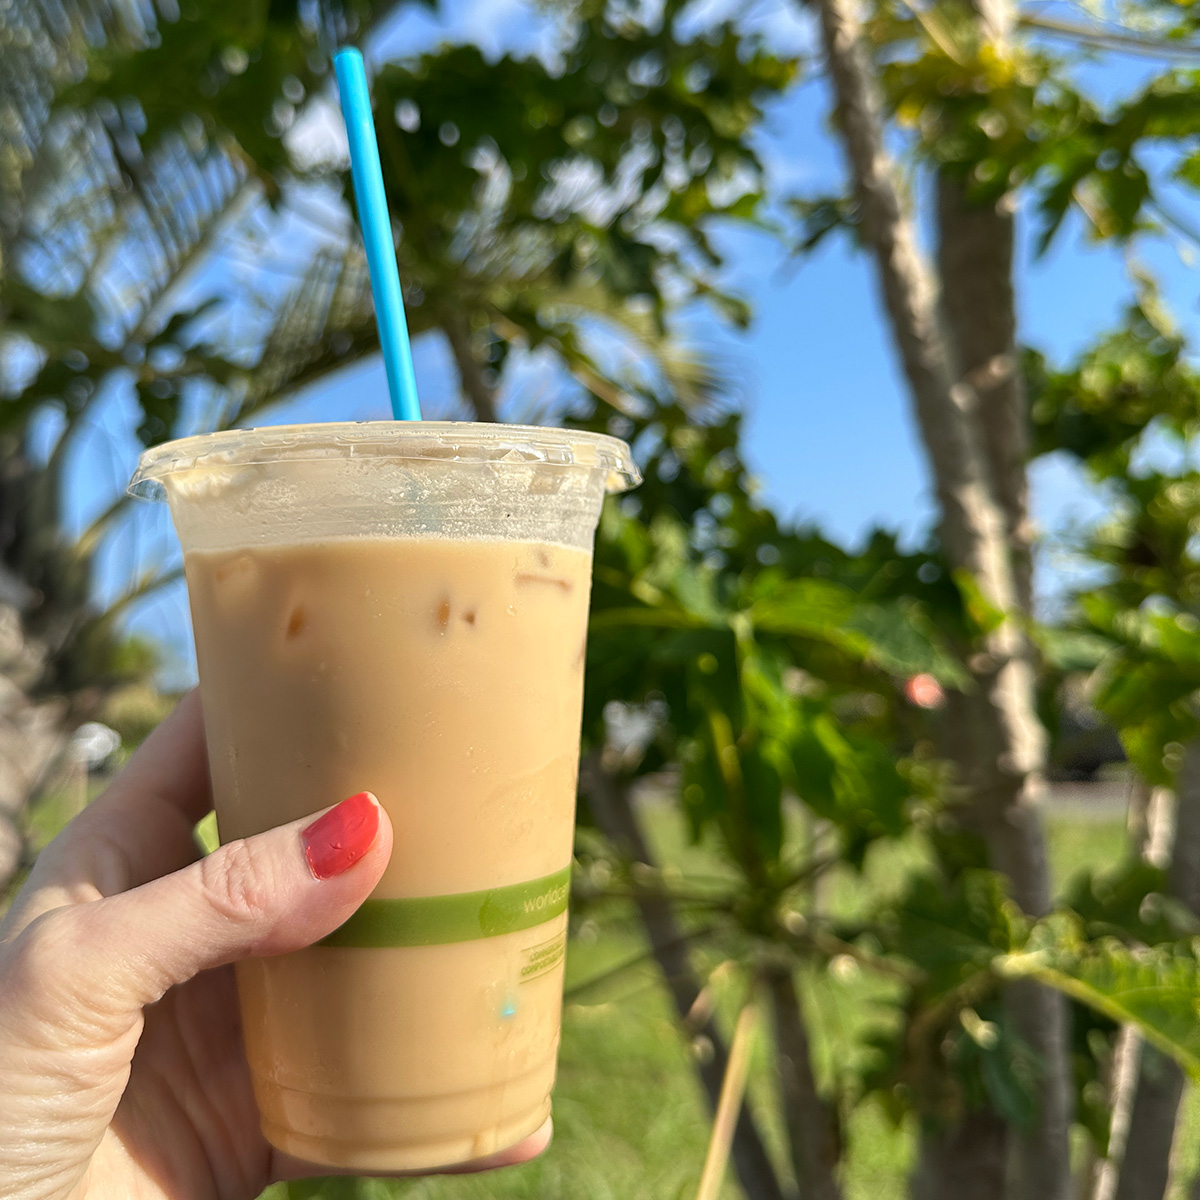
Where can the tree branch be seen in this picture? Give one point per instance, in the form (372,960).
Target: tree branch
(812,1126)
(967,1157)
(480,394)
(1105,37)
(1003,744)
(975,264)
(1146,1165)
(608,799)
(733,1093)
(146,585)
(972,523)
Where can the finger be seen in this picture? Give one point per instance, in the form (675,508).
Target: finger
(278,891)
(285,1168)
(522,1152)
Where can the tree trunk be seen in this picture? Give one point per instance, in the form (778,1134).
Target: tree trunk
(1137,813)
(965,1159)
(1146,1167)
(812,1126)
(973,524)
(608,799)
(33,734)
(1001,759)
(1184,874)
(1122,1083)
(975,263)
(975,267)
(480,394)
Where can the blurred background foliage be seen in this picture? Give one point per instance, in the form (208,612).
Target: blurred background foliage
(780,804)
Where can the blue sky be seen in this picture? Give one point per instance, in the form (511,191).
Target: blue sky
(829,430)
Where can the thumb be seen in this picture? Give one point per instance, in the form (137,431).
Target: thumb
(268,894)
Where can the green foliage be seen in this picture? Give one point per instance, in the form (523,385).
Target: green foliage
(530,199)
(1129,901)
(899,636)
(956,1050)
(1153,988)
(1146,686)
(1114,948)
(236,68)
(1093,1043)
(820,216)
(952,929)
(534,203)
(761,682)
(1001,118)
(1132,378)
(682,109)
(1135,387)
(541,206)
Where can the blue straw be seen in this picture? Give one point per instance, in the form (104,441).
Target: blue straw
(377,234)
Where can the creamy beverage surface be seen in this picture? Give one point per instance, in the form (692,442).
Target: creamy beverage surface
(445,676)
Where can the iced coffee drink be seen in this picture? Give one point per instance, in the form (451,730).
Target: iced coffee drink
(432,654)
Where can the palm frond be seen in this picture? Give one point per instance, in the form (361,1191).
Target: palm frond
(45,48)
(121,230)
(327,321)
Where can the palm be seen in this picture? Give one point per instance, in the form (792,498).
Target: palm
(187,1126)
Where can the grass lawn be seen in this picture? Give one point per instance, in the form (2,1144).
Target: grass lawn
(630,1122)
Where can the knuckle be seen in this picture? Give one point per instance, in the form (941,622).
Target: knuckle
(238,882)
(40,959)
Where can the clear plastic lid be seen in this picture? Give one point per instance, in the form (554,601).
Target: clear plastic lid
(306,483)
(388,441)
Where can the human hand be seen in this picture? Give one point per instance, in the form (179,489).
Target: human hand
(122,1074)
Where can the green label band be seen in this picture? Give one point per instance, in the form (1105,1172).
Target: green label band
(462,917)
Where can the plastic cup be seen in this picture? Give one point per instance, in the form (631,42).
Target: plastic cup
(400,608)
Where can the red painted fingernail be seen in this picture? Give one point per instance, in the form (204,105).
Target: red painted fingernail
(335,842)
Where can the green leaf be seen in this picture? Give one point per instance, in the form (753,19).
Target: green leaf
(854,782)
(897,637)
(805,608)
(983,613)
(763,784)
(1131,901)
(903,641)
(1154,988)
(1069,650)
(821,216)
(953,929)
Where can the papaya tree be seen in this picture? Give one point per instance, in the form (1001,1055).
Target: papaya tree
(1134,393)
(984,101)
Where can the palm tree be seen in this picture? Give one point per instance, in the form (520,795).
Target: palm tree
(177,243)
